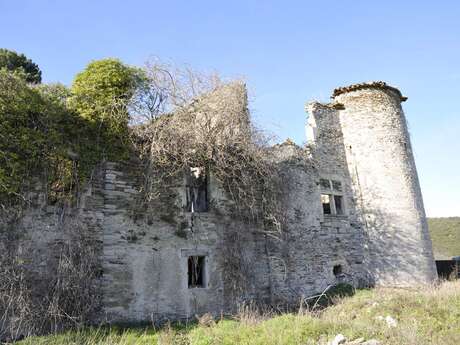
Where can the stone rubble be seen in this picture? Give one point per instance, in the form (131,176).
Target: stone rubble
(340,339)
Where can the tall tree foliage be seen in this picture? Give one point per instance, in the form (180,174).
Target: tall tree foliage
(19,131)
(40,137)
(60,134)
(101,94)
(19,63)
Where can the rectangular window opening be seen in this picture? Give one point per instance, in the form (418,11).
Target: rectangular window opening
(196,190)
(326,201)
(337,185)
(325,184)
(338,204)
(332,197)
(196,272)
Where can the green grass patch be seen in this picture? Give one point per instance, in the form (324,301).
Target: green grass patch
(445,235)
(424,316)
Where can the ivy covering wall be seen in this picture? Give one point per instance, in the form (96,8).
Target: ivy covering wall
(55,135)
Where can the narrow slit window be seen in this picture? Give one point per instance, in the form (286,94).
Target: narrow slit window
(326,201)
(196,272)
(197,190)
(338,204)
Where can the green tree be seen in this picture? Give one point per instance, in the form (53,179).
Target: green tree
(20,64)
(41,140)
(18,125)
(102,91)
(58,134)
(101,94)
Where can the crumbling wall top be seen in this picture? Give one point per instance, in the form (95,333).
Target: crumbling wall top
(367,85)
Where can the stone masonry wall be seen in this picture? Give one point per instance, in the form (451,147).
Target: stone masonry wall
(360,140)
(384,179)
(145,261)
(325,140)
(303,260)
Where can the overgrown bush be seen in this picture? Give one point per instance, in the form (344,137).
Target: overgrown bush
(211,129)
(36,132)
(67,297)
(57,135)
(101,94)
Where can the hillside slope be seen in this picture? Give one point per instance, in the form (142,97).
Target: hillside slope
(445,235)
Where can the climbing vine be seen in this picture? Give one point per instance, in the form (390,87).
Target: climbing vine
(180,119)
(212,130)
(52,137)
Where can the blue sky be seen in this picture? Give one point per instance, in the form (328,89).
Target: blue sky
(289,52)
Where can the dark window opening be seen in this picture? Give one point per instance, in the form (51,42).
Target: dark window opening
(337,270)
(338,204)
(332,199)
(196,272)
(448,269)
(337,185)
(325,183)
(197,190)
(326,201)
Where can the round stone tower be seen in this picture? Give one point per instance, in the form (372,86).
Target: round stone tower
(385,184)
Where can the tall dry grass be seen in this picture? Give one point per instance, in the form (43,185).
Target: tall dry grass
(424,316)
(61,294)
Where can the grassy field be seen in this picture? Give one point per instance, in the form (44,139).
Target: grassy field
(445,234)
(423,316)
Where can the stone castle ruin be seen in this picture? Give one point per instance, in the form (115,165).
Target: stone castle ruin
(350,203)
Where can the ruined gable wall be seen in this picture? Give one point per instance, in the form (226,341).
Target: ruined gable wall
(144,248)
